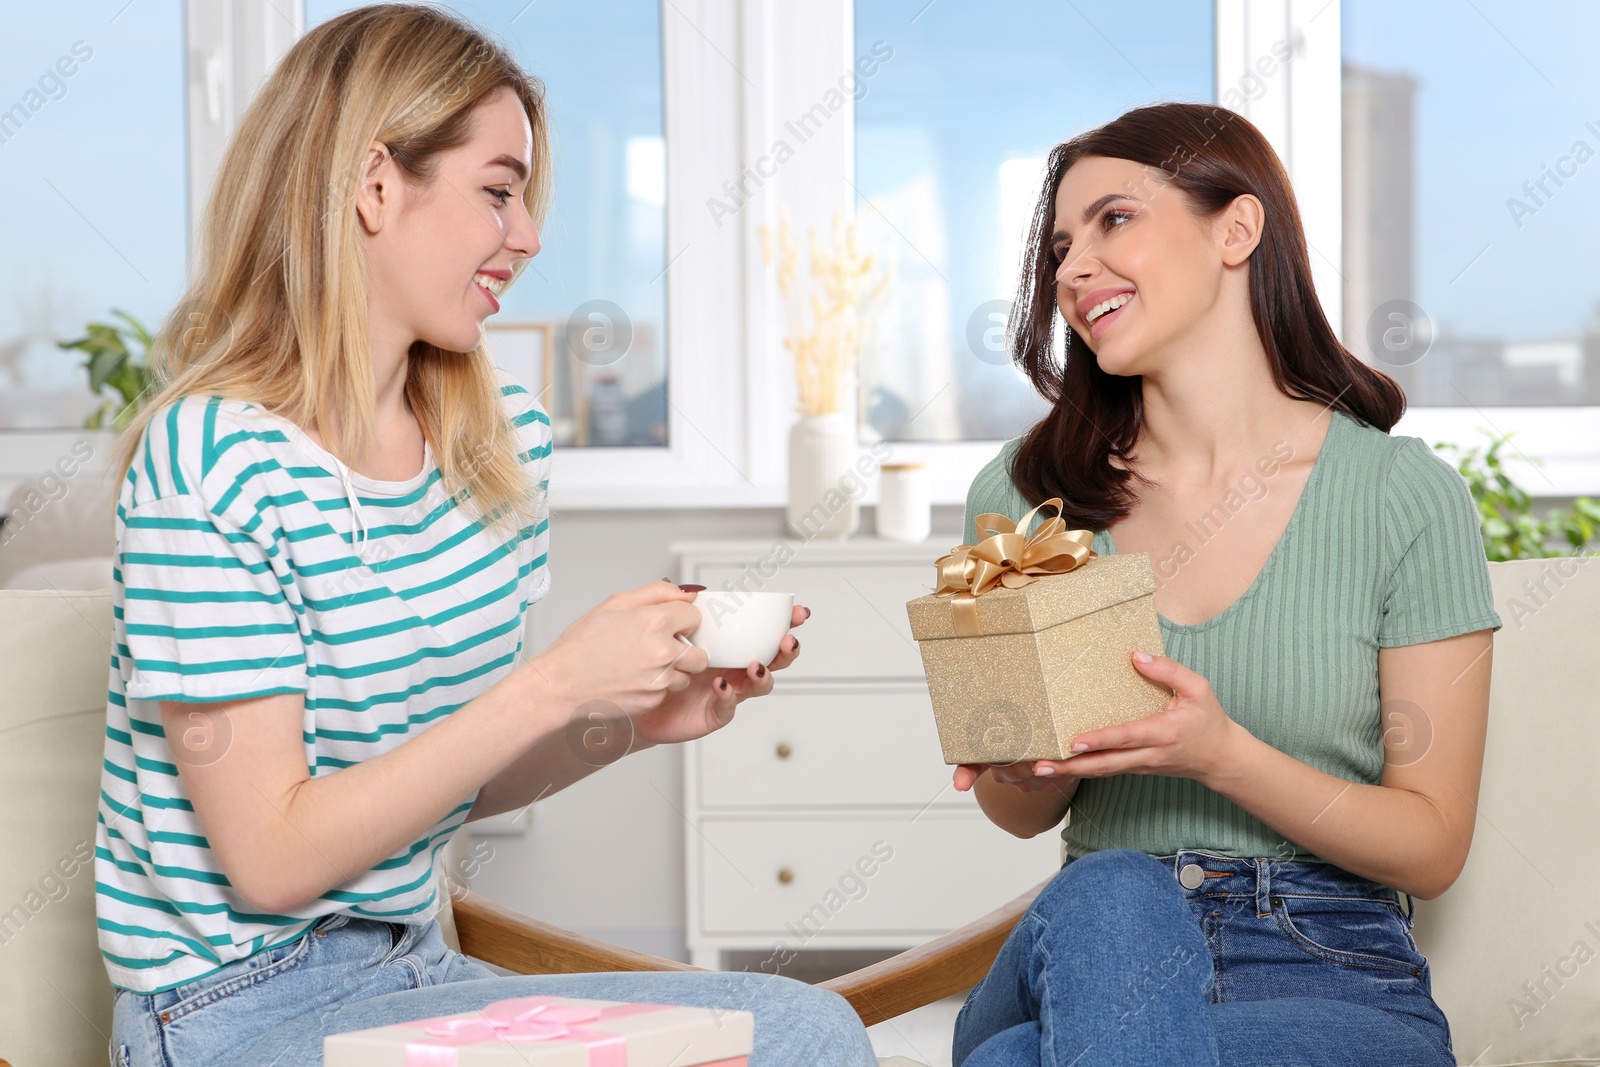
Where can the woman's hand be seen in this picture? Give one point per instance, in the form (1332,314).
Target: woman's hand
(625,652)
(1025,775)
(1192,738)
(708,702)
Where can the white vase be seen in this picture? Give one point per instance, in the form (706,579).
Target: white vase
(825,487)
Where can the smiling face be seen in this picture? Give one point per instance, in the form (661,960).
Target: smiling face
(1137,269)
(437,257)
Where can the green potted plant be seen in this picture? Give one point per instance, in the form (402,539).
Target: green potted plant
(1505,511)
(116,357)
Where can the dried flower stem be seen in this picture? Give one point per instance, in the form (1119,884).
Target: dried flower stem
(827,353)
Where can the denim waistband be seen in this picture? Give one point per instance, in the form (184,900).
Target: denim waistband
(1265,878)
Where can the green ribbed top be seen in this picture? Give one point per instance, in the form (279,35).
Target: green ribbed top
(1383,549)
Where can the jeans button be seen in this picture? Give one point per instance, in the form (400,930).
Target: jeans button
(1191,875)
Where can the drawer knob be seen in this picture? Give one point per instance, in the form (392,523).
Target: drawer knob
(784,751)
(785,875)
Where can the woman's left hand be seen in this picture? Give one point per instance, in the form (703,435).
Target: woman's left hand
(1192,738)
(708,702)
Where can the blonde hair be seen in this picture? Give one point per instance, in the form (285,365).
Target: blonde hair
(276,313)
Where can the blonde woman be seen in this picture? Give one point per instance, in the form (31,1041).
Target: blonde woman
(330,525)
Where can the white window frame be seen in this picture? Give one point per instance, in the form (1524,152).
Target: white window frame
(229,48)
(1300,113)
(735,72)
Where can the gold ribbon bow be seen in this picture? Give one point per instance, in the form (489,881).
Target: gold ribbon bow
(1010,558)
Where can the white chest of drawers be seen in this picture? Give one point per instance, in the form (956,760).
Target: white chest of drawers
(823,815)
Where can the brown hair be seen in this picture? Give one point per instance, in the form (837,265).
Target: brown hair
(1212,156)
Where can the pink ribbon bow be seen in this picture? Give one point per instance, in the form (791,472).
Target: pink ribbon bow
(525,1019)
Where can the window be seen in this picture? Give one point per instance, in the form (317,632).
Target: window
(1472,200)
(92,173)
(951,137)
(592,306)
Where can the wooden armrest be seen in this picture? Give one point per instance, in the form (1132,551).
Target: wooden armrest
(918,976)
(498,935)
(932,971)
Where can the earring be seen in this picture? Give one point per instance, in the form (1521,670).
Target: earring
(1066,341)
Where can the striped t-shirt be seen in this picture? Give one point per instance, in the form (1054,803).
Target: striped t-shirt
(236,575)
(1383,549)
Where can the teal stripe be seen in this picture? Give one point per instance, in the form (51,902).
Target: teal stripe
(531,415)
(147,800)
(187,633)
(494,555)
(243,477)
(118,810)
(150,466)
(366,633)
(460,536)
(208,436)
(220,666)
(421,654)
(413,529)
(374,914)
(405,694)
(187,874)
(339,503)
(274,437)
(199,948)
(204,596)
(171,836)
(174,559)
(178,485)
(177,908)
(149,729)
(185,698)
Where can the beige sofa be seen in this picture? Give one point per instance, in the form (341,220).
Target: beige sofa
(1513,944)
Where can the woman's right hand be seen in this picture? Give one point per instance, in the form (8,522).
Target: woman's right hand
(626,650)
(1030,776)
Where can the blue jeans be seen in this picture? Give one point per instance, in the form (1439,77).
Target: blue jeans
(1265,963)
(351,974)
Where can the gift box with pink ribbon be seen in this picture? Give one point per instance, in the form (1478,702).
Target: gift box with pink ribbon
(1027,640)
(550,1031)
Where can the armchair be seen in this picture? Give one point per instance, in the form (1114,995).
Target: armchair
(1507,944)
(55,1000)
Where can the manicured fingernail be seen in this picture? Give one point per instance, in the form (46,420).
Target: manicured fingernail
(808,613)
(692,588)
(796,647)
(1143,657)
(720,685)
(761,672)
(1046,771)
(1080,746)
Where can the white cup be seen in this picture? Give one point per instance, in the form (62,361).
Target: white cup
(737,629)
(905,505)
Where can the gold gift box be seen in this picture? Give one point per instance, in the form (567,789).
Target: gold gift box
(1053,660)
